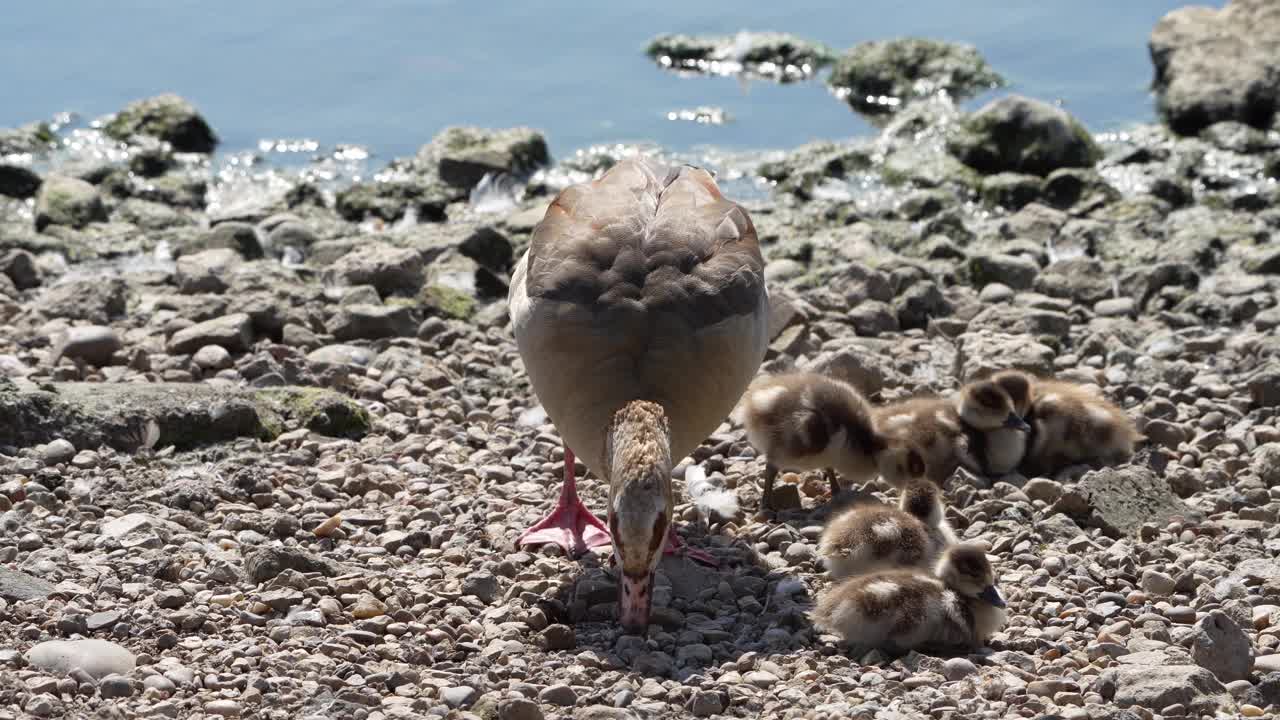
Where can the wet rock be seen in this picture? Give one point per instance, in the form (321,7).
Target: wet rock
(393,199)
(208,271)
(68,201)
(1221,647)
(92,344)
(18,181)
(264,563)
(881,75)
(1216,64)
(1159,686)
(780,56)
(1018,134)
(233,332)
(166,117)
(464,155)
(370,322)
(389,269)
(98,658)
(1123,499)
(98,301)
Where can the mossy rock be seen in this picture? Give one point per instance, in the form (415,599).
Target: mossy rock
(447,301)
(319,410)
(166,117)
(879,76)
(68,201)
(1018,134)
(184,415)
(749,48)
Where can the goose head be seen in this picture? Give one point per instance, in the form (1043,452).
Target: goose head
(638,464)
(965,569)
(1017,385)
(900,462)
(986,405)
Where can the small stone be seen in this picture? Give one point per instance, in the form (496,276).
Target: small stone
(368,606)
(483,585)
(1248,710)
(560,694)
(761,678)
(115,686)
(57,451)
(212,357)
(1220,646)
(223,708)
(559,637)
(1157,583)
(460,696)
(519,709)
(706,703)
(330,524)
(958,668)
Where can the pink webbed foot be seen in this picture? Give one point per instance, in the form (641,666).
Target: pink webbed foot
(675,545)
(570,525)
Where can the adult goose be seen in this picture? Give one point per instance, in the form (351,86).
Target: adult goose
(641,315)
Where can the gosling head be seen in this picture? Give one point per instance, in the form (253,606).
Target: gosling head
(638,463)
(1017,385)
(922,500)
(965,569)
(987,406)
(900,463)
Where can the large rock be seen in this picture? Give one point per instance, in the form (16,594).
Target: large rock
(92,344)
(121,415)
(1123,499)
(370,322)
(238,236)
(98,301)
(18,181)
(68,201)
(391,200)
(464,155)
(982,352)
(20,267)
(1266,462)
(880,75)
(779,55)
(1159,686)
(1018,134)
(208,271)
(233,332)
(98,658)
(1222,648)
(1213,65)
(1264,385)
(389,269)
(16,586)
(167,117)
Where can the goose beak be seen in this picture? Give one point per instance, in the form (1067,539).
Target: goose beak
(635,600)
(1017,423)
(991,596)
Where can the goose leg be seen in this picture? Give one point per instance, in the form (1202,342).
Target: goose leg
(834,481)
(570,525)
(676,545)
(766,496)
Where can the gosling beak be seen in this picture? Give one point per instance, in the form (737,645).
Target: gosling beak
(1017,423)
(992,596)
(635,599)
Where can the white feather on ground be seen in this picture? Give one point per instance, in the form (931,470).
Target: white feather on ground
(708,496)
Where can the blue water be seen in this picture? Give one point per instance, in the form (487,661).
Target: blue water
(388,74)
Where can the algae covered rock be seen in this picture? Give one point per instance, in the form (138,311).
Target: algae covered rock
(166,117)
(1018,134)
(882,75)
(68,201)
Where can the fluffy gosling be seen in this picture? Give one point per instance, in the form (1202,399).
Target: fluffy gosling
(992,411)
(805,421)
(956,608)
(1073,424)
(930,424)
(870,537)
